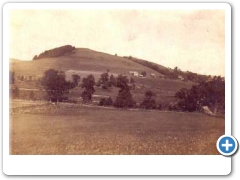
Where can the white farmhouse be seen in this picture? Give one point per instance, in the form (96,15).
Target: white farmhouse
(134,73)
(152,75)
(180,77)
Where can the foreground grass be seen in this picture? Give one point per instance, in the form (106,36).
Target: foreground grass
(85,130)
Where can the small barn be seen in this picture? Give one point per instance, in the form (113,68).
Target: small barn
(180,77)
(134,73)
(152,75)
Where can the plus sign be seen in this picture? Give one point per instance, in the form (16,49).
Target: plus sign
(227,145)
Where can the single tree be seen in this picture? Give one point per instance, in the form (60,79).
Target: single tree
(104,81)
(35,57)
(132,81)
(55,84)
(159,106)
(149,102)
(124,98)
(88,85)
(76,79)
(144,73)
(112,80)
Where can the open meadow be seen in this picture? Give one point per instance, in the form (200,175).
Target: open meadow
(64,129)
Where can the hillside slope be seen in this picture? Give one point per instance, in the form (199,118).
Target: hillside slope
(80,59)
(83,62)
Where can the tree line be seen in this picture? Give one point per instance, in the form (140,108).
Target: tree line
(56,52)
(209,93)
(170,73)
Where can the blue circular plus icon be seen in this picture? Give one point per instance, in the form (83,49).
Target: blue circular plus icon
(227,145)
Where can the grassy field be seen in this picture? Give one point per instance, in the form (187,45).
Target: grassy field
(75,129)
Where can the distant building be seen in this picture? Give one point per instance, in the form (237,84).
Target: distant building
(152,75)
(180,77)
(134,73)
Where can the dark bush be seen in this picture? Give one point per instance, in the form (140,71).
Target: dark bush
(149,102)
(174,107)
(124,99)
(88,85)
(62,99)
(106,102)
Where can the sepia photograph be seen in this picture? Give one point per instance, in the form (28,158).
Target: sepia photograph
(116,81)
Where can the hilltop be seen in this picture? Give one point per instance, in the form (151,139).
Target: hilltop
(80,59)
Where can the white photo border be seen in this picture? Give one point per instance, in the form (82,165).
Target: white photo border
(115,164)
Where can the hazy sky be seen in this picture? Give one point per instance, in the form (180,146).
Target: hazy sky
(191,40)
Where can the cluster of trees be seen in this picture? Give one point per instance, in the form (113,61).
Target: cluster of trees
(125,99)
(56,52)
(76,79)
(211,94)
(56,85)
(106,81)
